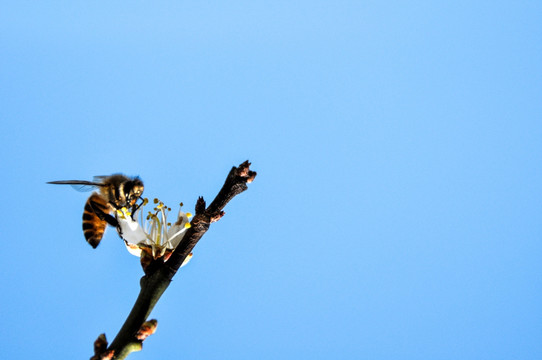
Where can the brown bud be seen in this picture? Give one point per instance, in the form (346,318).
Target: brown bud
(100,345)
(200,206)
(251,176)
(243,169)
(100,349)
(108,355)
(148,328)
(217,216)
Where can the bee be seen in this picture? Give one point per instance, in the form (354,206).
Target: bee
(115,192)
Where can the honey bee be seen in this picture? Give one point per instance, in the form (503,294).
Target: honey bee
(115,192)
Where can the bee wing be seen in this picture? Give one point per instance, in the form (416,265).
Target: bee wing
(79,185)
(100,178)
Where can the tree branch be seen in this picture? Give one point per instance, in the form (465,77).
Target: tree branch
(158,274)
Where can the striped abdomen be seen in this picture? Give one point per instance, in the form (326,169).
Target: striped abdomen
(94,225)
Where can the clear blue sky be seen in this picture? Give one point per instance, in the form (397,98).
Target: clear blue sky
(396,214)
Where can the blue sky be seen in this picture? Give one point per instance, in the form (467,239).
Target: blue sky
(396,212)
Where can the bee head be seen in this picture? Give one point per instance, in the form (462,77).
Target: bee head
(133,190)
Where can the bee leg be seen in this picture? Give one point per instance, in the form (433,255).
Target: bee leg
(136,207)
(103,216)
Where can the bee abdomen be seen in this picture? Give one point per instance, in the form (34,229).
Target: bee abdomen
(93,225)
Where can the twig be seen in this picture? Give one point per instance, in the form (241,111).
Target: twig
(158,274)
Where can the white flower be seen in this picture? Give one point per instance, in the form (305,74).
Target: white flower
(157,237)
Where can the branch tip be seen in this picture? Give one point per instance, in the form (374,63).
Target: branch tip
(244,171)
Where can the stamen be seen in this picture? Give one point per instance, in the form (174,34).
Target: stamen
(156,234)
